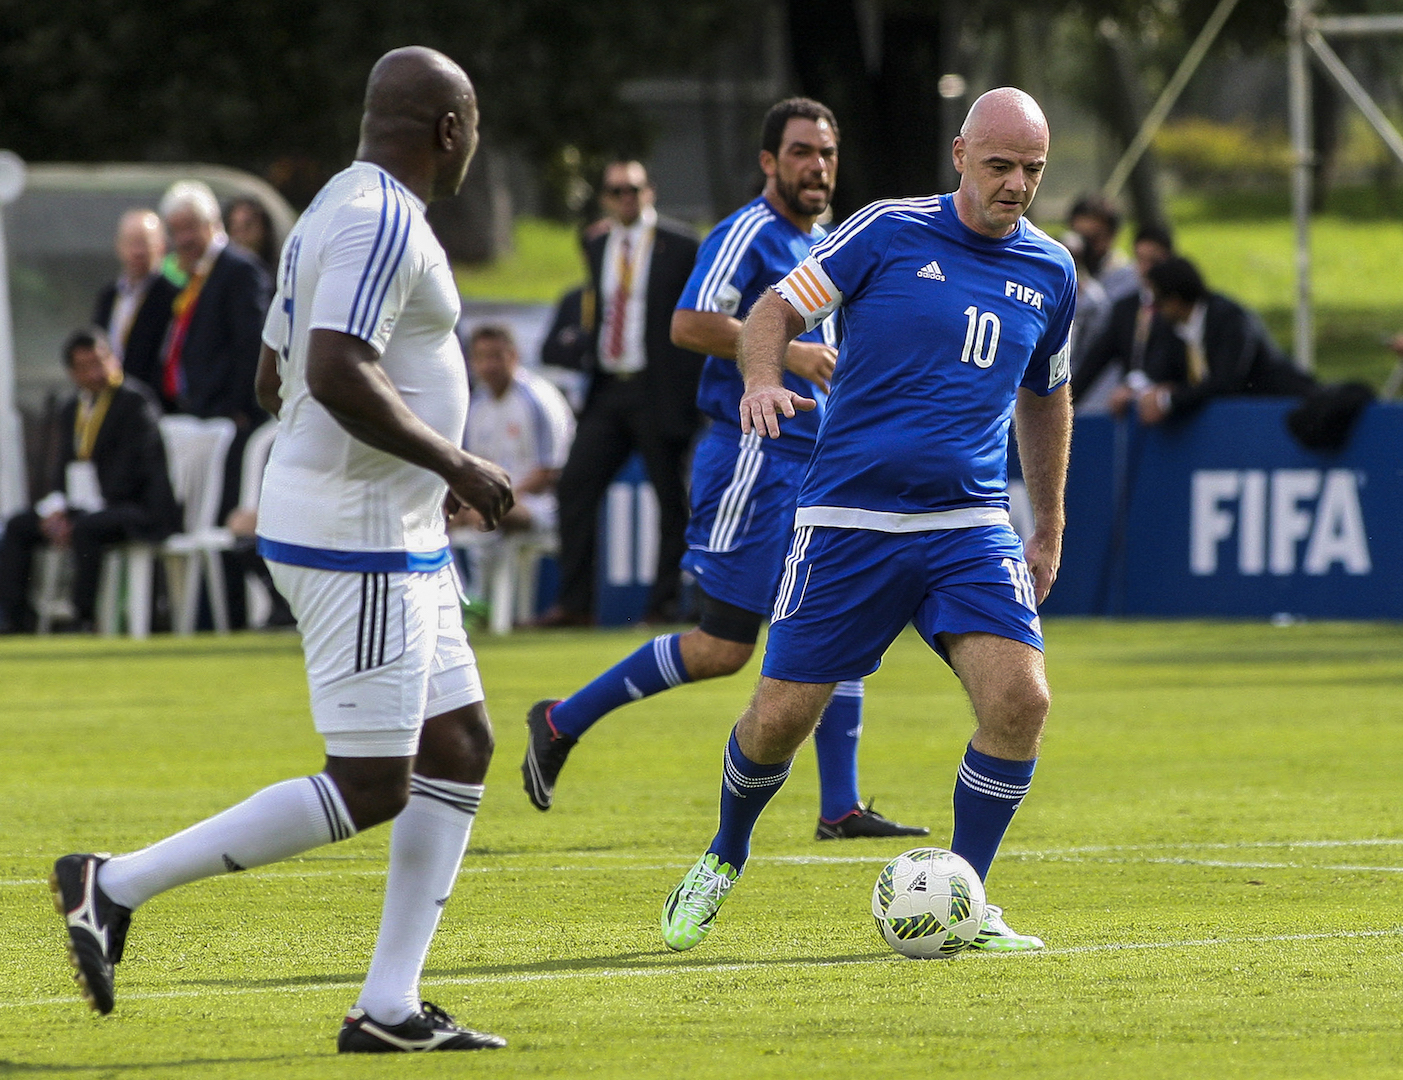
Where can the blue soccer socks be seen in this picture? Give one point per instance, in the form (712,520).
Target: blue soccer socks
(835,744)
(987,792)
(746,789)
(653,668)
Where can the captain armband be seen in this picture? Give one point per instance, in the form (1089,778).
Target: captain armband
(810,292)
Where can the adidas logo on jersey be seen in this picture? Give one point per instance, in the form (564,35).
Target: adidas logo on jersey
(931,270)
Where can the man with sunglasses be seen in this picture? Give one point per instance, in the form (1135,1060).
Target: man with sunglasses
(643,394)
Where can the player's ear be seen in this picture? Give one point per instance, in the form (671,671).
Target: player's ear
(767,163)
(957,153)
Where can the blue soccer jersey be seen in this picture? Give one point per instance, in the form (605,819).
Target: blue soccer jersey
(741,258)
(940,328)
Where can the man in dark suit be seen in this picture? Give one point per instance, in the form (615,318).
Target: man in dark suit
(110,486)
(1227,351)
(643,393)
(216,332)
(1134,338)
(135,310)
(211,352)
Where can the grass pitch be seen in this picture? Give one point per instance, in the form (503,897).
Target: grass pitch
(1213,850)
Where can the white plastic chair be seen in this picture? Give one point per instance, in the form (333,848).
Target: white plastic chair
(508,563)
(195,453)
(53,570)
(257,602)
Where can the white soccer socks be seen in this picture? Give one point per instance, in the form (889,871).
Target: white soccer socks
(273,824)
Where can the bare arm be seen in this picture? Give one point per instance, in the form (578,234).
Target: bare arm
(1044,443)
(717,334)
(344,375)
(769,328)
(267,383)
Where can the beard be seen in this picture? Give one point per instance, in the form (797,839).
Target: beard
(792,194)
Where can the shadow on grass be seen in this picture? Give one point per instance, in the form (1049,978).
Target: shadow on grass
(633,961)
(20,1068)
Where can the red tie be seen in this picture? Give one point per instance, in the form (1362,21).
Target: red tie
(618,310)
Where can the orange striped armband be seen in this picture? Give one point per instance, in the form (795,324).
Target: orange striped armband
(810,292)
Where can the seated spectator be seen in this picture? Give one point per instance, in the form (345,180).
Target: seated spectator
(1227,350)
(1109,372)
(1097,221)
(111,484)
(519,421)
(135,310)
(252,229)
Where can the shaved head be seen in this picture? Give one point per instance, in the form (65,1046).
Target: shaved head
(420,121)
(999,154)
(1006,108)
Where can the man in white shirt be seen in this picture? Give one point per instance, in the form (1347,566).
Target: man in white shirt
(361,365)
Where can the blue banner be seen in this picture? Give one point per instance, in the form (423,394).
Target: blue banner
(1227,515)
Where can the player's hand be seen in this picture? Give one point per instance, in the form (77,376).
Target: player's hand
(761,409)
(1043,554)
(812,360)
(481,485)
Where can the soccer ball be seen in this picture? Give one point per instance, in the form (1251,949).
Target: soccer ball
(928,903)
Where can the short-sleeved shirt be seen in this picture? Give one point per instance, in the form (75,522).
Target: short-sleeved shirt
(742,257)
(362,260)
(529,427)
(940,326)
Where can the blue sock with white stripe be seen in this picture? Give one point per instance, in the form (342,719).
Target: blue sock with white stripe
(746,789)
(655,667)
(835,744)
(987,792)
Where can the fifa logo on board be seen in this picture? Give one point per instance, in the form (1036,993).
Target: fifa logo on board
(1284,521)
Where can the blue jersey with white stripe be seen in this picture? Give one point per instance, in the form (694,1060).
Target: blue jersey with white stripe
(742,257)
(941,326)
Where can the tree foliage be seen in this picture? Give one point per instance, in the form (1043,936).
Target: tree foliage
(275,85)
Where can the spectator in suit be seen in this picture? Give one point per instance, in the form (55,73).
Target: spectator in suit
(1109,373)
(1097,221)
(642,396)
(110,486)
(212,349)
(216,332)
(135,310)
(1227,350)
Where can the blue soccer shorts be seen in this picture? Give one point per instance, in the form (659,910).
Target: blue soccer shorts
(743,496)
(846,594)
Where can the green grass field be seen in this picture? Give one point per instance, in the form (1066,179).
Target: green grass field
(1213,851)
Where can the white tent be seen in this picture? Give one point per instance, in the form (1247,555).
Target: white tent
(13,494)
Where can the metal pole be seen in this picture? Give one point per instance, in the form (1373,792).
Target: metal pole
(1168,96)
(1302,158)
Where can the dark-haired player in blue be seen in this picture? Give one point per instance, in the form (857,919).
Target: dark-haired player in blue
(955,314)
(743,489)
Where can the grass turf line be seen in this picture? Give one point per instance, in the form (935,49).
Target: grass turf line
(1210,849)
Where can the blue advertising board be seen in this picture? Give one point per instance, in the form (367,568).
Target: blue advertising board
(1227,515)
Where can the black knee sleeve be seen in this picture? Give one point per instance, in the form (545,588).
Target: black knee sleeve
(728,622)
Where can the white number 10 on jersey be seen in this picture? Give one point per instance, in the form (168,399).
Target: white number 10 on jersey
(981,337)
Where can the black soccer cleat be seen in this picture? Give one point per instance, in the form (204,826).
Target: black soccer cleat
(546,751)
(97,927)
(862,820)
(429,1029)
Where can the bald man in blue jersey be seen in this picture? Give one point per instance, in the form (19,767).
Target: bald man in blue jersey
(955,314)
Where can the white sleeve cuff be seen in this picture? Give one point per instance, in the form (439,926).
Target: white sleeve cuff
(810,292)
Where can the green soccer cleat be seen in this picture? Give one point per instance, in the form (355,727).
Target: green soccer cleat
(995,935)
(691,908)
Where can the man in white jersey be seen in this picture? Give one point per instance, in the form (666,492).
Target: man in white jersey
(361,365)
(956,313)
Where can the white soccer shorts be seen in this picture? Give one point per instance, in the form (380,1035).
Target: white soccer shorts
(383,651)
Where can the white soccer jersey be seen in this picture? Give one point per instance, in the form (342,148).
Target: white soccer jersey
(362,260)
(530,427)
